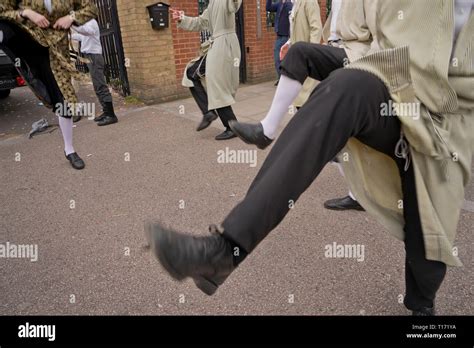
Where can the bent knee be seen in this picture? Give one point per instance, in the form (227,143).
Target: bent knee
(357,81)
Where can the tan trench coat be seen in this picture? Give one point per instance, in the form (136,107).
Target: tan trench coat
(223,58)
(306,26)
(56,40)
(441,140)
(353,22)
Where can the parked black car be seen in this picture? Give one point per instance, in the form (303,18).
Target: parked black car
(9,78)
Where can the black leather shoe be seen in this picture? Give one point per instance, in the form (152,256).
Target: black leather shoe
(206,121)
(107,120)
(207,260)
(424,312)
(251,134)
(100,117)
(76,161)
(226,135)
(346,203)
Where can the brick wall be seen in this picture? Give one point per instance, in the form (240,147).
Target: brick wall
(151,72)
(260,60)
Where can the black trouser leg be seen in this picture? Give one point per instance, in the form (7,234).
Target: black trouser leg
(305,60)
(226,114)
(198,92)
(422,277)
(346,104)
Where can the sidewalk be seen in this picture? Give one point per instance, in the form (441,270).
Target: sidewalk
(153,165)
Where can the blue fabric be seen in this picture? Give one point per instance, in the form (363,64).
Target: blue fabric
(280,41)
(282,18)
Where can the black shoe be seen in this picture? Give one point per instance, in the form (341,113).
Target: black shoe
(76,161)
(76,119)
(207,260)
(107,120)
(424,312)
(251,134)
(100,117)
(206,121)
(346,203)
(277,83)
(225,135)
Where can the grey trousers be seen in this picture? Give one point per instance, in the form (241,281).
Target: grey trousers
(96,69)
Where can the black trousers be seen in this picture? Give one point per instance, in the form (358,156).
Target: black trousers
(199,93)
(345,104)
(34,61)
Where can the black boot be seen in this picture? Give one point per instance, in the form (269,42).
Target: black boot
(251,133)
(206,121)
(109,115)
(100,117)
(207,260)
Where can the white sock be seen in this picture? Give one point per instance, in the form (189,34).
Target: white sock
(352,196)
(66,129)
(286,93)
(342,173)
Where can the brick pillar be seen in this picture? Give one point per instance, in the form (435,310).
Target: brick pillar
(260,63)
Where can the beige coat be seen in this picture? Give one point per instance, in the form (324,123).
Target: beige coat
(56,40)
(223,58)
(306,26)
(353,22)
(441,140)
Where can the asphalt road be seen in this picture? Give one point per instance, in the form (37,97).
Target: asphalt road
(91,258)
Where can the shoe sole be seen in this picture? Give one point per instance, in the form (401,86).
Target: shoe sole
(107,124)
(343,209)
(156,235)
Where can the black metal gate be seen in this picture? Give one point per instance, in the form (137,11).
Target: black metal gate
(240,30)
(111,39)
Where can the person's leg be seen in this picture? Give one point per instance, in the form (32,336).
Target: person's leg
(345,105)
(422,277)
(348,202)
(279,42)
(276,55)
(226,114)
(97,72)
(302,61)
(199,93)
(60,108)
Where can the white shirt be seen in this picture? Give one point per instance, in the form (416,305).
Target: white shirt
(336,6)
(462,12)
(48,5)
(89,36)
